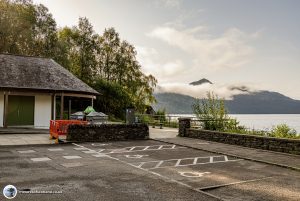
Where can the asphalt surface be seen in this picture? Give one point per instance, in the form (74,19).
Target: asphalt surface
(139,170)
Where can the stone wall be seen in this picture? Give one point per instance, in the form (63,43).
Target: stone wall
(268,143)
(183,124)
(107,132)
(291,146)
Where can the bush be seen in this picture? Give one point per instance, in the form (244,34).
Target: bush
(279,131)
(283,131)
(161,115)
(114,99)
(145,119)
(213,113)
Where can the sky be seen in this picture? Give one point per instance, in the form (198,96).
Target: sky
(251,43)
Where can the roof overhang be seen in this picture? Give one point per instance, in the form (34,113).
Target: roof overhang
(27,91)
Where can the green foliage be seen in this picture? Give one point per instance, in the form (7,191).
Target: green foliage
(279,131)
(78,46)
(160,115)
(172,124)
(283,131)
(213,114)
(146,119)
(114,99)
(117,63)
(29,29)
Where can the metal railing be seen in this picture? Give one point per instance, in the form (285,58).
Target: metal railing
(172,121)
(159,120)
(212,124)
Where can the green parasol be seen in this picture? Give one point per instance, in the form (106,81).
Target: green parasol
(89,109)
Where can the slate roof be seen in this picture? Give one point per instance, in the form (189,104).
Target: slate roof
(26,72)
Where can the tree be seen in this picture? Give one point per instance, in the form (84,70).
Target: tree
(113,100)
(29,29)
(44,33)
(17,19)
(109,46)
(78,45)
(117,63)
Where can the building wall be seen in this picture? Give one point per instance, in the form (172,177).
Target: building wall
(42,111)
(1,108)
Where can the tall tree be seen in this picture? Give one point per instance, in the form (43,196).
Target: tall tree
(44,33)
(17,19)
(29,29)
(109,44)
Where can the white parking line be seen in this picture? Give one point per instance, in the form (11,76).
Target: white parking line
(72,157)
(26,151)
(177,162)
(68,165)
(135,156)
(159,175)
(100,155)
(58,149)
(40,159)
(225,158)
(98,145)
(128,149)
(143,148)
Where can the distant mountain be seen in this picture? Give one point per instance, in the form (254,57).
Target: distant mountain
(261,102)
(200,82)
(174,103)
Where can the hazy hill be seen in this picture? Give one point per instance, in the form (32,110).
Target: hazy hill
(262,102)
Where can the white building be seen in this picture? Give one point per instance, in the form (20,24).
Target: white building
(29,87)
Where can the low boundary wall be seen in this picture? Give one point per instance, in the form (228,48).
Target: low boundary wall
(291,146)
(107,132)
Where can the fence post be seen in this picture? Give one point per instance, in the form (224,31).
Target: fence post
(184,123)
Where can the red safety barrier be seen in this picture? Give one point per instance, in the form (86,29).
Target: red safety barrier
(60,127)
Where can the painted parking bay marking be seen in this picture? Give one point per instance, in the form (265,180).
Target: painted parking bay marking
(135,156)
(144,148)
(99,144)
(127,149)
(72,157)
(26,151)
(40,159)
(56,149)
(183,162)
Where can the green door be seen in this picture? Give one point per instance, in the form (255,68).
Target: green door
(20,110)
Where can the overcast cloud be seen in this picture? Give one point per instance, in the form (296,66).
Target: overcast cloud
(256,43)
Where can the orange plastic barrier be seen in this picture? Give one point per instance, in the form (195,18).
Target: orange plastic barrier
(60,127)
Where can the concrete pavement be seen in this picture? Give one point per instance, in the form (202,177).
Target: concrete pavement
(156,132)
(25,139)
(140,170)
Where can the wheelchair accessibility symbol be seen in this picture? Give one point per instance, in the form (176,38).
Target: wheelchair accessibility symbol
(193,174)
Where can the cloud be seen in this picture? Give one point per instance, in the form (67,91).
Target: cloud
(225,91)
(231,49)
(152,64)
(169,3)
